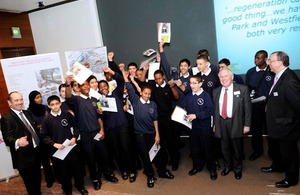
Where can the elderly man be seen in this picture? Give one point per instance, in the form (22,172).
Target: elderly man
(283,119)
(232,119)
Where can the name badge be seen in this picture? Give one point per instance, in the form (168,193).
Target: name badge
(275,94)
(236,93)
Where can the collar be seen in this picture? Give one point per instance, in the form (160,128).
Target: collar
(185,76)
(56,114)
(206,73)
(143,101)
(230,87)
(258,69)
(198,92)
(162,85)
(84,96)
(278,75)
(17,111)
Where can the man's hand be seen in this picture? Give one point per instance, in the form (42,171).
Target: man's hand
(22,142)
(110,56)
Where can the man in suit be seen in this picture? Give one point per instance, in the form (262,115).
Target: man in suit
(22,138)
(232,119)
(283,119)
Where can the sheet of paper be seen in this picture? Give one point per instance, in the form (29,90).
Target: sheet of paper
(259,99)
(195,70)
(145,62)
(164,32)
(95,94)
(108,104)
(97,137)
(152,68)
(130,108)
(153,151)
(179,115)
(80,72)
(61,154)
(149,52)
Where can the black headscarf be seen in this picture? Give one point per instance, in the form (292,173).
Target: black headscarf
(36,109)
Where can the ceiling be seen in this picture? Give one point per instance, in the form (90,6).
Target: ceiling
(18,6)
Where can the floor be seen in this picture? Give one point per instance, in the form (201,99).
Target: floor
(253,182)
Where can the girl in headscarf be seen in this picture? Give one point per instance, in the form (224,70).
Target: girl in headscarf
(39,111)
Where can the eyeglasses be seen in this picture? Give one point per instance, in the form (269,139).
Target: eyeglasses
(271,61)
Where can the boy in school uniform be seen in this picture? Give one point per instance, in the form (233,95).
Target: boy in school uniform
(200,109)
(56,128)
(90,124)
(146,130)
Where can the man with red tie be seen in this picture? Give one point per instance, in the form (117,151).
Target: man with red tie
(232,120)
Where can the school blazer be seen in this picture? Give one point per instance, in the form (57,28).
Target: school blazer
(283,107)
(241,110)
(12,129)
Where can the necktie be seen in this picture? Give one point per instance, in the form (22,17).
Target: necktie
(224,106)
(274,83)
(30,129)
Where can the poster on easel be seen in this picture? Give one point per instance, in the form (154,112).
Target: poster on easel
(40,72)
(92,58)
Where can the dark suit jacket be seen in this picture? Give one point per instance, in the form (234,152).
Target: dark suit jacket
(12,129)
(241,111)
(283,107)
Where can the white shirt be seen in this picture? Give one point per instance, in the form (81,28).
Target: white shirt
(229,100)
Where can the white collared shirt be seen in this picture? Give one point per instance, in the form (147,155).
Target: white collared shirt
(198,93)
(258,69)
(229,100)
(162,85)
(143,101)
(84,96)
(185,76)
(207,73)
(56,114)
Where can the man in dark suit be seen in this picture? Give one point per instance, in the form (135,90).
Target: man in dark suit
(22,138)
(232,119)
(283,119)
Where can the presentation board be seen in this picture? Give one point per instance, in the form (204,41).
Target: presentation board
(41,72)
(245,27)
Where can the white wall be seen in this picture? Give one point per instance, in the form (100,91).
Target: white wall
(66,27)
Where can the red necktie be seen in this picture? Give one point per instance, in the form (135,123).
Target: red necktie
(224,106)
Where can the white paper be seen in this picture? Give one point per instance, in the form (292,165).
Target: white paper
(95,94)
(152,68)
(149,52)
(179,115)
(259,99)
(145,62)
(108,104)
(61,154)
(164,32)
(80,72)
(129,106)
(98,136)
(195,70)
(153,151)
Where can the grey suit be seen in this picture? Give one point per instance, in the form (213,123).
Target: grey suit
(231,130)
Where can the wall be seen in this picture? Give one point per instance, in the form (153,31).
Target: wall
(129,28)
(9,20)
(66,27)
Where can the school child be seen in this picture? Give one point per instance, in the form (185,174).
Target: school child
(199,108)
(146,130)
(57,127)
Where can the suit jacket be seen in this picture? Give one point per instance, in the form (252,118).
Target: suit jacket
(241,110)
(283,107)
(12,129)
